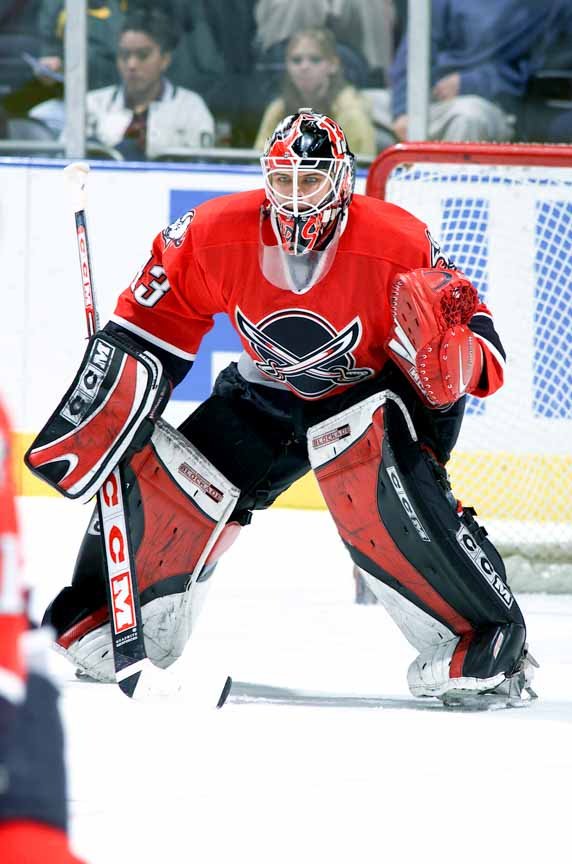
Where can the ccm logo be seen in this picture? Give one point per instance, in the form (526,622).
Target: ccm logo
(123,612)
(472,549)
(118,553)
(110,491)
(407,505)
(85,393)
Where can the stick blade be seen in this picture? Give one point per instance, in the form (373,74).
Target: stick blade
(128,685)
(75,175)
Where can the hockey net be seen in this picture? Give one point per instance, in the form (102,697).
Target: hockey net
(503,213)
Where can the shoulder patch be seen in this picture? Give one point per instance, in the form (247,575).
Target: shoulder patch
(175,232)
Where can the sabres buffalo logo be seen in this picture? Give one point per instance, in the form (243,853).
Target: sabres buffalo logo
(304,351)
(175,232)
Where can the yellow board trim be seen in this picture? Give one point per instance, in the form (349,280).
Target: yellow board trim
(529,486)
(499,485)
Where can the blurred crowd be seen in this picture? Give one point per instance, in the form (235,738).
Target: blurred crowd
(166,77)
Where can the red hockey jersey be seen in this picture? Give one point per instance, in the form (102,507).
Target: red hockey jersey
(314,343)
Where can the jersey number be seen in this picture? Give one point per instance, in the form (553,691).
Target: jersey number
(148,295)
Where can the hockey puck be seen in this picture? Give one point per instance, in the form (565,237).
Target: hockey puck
(225,691)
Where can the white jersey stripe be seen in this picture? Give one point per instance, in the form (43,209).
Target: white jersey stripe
(494,351)
(154,340)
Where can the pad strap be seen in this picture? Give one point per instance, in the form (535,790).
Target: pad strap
(104,412)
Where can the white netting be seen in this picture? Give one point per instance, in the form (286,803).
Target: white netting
(509,227)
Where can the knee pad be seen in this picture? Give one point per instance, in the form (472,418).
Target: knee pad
(401,526)
(178,506)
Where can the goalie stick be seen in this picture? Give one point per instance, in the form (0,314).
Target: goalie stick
(134,671)
(251,692)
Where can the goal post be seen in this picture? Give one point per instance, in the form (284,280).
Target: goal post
(503,213)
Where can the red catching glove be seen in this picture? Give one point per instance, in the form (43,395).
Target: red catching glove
(429,340)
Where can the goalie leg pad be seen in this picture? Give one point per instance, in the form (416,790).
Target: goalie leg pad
(103,413)
(421,630)
(178,506)
(400,527)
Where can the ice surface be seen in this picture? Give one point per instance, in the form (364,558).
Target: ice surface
(175,781)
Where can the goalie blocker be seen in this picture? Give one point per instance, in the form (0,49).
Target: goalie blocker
(106,412)
(426,559)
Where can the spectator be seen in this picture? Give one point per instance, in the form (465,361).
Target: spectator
(364,26)
(146,114)
(17,37)
(104,20)
(480,62)
(547,111)
(314,79)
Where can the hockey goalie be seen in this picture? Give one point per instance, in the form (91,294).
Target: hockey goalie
(360,344)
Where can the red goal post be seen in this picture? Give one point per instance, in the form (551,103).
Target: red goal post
(440,152)
(503,213)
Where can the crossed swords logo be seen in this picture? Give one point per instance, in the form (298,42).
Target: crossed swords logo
(283,364)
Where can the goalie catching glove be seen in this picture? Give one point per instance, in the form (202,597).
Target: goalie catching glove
(430,340)
(107,411)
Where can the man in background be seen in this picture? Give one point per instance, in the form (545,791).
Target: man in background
(146,114)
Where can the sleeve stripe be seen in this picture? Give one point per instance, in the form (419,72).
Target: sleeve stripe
(154,340)
(500,358)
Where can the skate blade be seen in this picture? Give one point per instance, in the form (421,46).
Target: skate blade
(470,700)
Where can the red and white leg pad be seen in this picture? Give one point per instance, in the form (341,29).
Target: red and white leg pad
(177,510)
(432,567)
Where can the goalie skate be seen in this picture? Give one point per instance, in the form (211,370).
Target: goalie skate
(514,692)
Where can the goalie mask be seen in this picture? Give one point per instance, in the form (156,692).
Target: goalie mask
(308,177)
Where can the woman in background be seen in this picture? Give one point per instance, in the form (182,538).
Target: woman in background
(314,79)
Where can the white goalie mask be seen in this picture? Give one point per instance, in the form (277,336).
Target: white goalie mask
(308,176)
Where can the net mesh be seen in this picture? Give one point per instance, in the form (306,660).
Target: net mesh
(509,228)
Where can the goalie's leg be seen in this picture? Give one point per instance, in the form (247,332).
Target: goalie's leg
(178,507)
(432,567)
(178,536)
